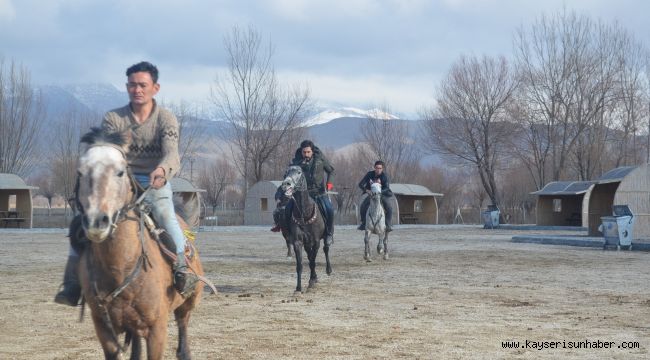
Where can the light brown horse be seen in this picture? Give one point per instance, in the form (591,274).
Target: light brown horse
(126,281)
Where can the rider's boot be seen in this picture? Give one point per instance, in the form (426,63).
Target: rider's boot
(71,292)
(362,226)
(276,228)
(184,280)
(389,228)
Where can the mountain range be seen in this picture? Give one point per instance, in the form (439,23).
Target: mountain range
(337,127)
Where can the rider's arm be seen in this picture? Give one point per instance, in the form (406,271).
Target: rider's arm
(169,137)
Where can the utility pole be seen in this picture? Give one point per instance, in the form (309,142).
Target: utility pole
(192,168)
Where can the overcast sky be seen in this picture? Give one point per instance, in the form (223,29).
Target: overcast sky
(350,52)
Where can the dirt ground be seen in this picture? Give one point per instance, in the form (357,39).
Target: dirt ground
(445,293)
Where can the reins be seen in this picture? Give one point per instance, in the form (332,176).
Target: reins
(301,186)
(380,206)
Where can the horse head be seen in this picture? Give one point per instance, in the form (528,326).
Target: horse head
(294,180)
(375,188)
(103,185)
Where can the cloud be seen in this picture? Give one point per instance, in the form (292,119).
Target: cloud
(7,11)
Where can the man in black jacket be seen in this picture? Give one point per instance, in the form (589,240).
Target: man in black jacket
(374,176)
(319,174)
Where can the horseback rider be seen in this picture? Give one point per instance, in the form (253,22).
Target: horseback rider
(153,159)
(313,163)
(376,176)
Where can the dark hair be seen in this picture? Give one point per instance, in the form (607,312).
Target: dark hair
(144,66)
(307,143)
(379,162)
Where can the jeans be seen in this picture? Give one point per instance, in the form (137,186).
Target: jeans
(162,210)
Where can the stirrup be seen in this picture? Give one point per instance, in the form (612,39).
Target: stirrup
(185,281)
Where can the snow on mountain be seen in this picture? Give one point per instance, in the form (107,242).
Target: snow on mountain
(331,114)
(97,96)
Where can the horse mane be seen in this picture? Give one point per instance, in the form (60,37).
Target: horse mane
(99,136)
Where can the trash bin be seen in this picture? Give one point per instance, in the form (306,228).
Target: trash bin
(618,229)
(491,217)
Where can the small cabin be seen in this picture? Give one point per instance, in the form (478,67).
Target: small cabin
(260,203)
(564,203)
(412,204)
(14,190)
(627,185)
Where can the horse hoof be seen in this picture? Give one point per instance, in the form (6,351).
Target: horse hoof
(380,250)
(297,294)
(386,256)
(329,271)
(368,259)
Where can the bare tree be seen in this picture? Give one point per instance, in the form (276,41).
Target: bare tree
(468,124)
(215,178)
(388,140)
(21,117)
(192,135)
(46,189)
(631,104)
(261,113)
(568,66)
(349,171)
(65,151)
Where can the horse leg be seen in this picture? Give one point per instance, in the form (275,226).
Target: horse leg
(313,278)
(136,347)
(297,249)
(380,246)
(328,266)
(288,242)
(289,255)
(182,315)
(108,341)
(366,251)
(386,246)
(157,339)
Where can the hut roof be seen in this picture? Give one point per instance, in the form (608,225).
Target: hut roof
(615,175)
(412,189)
(565,188)
(183,185)
(13,182)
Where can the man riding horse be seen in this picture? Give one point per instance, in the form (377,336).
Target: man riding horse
(314,165)
(153,159)
(376,176)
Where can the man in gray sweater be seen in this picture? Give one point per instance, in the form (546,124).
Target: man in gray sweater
(153,158)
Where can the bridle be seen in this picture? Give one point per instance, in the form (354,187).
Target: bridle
(120,215)
(300,185)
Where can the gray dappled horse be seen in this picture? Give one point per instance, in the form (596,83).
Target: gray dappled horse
(376,223)
(306,225)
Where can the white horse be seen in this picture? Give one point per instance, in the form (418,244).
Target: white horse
(376,223)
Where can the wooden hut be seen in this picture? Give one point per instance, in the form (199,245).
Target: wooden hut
(628,185)
(187,192)
(260,203)
(12,187)
(564,203)
(412,204)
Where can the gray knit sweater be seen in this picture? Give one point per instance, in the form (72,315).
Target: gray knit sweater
(154,143)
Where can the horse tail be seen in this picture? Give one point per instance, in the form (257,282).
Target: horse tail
(188,209)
